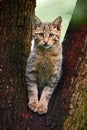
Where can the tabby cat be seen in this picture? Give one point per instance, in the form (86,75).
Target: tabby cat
(43,69)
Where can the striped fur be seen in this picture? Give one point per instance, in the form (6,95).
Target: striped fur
(43,69)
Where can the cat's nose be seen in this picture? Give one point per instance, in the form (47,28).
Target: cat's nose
(46,40)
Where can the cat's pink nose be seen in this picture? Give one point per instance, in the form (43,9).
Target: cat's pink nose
(45,40)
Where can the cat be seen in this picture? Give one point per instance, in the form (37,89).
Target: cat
(44,64)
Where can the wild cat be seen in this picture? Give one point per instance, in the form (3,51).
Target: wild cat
(43,69)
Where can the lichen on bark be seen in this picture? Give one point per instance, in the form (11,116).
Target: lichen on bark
(77,116)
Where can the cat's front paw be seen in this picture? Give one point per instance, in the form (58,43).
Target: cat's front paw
(42,108)
(33,105)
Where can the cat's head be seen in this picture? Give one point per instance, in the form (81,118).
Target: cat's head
(46,34)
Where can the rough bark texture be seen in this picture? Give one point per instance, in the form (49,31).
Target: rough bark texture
(15,37)
(68,107)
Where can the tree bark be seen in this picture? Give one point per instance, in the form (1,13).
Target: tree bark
(68,107)
(15,37)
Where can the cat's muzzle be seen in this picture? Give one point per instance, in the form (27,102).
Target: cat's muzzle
(46,45)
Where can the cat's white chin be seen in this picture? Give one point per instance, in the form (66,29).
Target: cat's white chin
(47,47)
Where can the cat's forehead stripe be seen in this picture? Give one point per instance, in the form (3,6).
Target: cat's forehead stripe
(46,26)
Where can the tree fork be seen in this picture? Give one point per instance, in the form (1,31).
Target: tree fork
(67,108)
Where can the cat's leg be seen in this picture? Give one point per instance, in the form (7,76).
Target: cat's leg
(33,96)
(44,100)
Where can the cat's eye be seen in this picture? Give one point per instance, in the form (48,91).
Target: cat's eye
(41,34)
(51,35)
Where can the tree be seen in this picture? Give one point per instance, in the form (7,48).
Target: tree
(15,37)
(68,107)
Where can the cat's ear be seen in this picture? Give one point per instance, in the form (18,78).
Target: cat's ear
(57,23)
(36,22)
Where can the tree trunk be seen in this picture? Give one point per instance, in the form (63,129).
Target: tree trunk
(68,107)
(15,36)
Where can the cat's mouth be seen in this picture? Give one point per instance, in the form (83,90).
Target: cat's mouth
(47,46)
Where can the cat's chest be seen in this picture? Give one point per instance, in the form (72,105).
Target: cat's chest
(45,62)
(45,65)
(45,69)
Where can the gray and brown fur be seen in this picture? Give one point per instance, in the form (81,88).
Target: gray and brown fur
(43,69)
